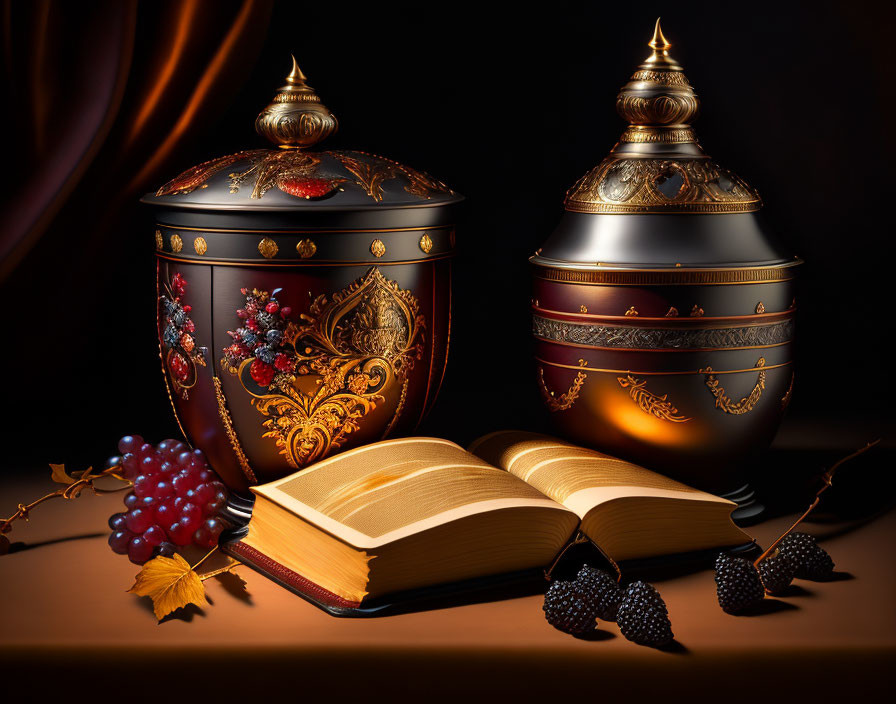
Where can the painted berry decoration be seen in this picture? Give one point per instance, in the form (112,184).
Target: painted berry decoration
(176,501)
(183,356)
(262,339)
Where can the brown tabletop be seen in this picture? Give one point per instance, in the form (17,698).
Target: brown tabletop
(67,622)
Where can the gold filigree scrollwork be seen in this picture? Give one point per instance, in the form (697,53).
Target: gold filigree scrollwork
(425,244)
(351,349)
(177,243)
(227,422)
(744,405)
(160,243)
(200,246)
(650,402)
(306,248)
(565,400)
(785,399)
(268,248)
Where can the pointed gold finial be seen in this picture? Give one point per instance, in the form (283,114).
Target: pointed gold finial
(296,77)
(659,42)
(295,118)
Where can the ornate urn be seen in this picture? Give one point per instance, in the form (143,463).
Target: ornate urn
(662,308)
(304,295)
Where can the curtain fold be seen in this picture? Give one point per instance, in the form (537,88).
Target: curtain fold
(102,95)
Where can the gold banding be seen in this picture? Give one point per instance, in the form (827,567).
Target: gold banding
(673,321)
(377,248)
(565,400)
(670,277)
(306,248)
(293,262)
(306,232)
(268,248)
(649,402)
(700,372)
(200,246)
(426,244)
(744,405)
(227,422)
(160,243)
(177,243)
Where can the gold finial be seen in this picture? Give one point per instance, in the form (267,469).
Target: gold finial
(295,118)
(658,102)
(659,42)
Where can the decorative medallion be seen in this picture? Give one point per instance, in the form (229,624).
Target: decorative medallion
(696,311)
(565,400)
(426,244)
(200,246)
(747,403)
(649,402)
(315,379)
(177,243)
(377,248)
(583,308)
(306,248)
(182,355)
(760,308)
(268,248)
(160,243)
(631,313)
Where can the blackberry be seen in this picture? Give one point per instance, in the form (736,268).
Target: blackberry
(567,611)
(601,589)
(170,336)
(179,317)
(642,616)
(776,572)
(810,560)
(738,585)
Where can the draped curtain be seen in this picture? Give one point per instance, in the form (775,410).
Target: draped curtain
(100,95)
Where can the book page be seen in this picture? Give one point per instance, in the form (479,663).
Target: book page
(577,477)
(396,487)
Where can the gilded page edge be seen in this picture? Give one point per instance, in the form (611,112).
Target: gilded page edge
(584,500)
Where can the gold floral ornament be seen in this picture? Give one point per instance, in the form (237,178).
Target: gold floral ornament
(306,248)
(177,243)
(268,248)
(649,402)
(724,402)
(377,248)
(426,244)
(565,400)
(348,353)
(200,246)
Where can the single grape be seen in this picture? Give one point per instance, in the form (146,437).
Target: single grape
(165,513)
(145,450)
(155,535)
(113,461)
(130,500)
(214,526)
(143,486)
(162,447)
(139,519)
(205,476)
(146,502)
(203,493)
(119,540)
(116,521)
(180,534)
(139,551)
(169,468)
(164,490)
(183,482)
(130,464)
(129,443)
(203,538)
(185,458)
(166,549)
(190,523)
(150,465)
(179,502)
(190,510)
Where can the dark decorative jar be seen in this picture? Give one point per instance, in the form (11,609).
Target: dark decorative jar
(304,295)
(662,308)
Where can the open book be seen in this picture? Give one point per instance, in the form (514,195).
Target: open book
(408,513)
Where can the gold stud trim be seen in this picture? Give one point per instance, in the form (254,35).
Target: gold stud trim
(200,246)
(630,313)
(177,243)
(306,248)
(377,248)
(268,248)
(160,243)
(426,244)
(760,308)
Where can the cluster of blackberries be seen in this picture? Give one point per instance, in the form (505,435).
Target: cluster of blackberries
(639,610)
(740,585)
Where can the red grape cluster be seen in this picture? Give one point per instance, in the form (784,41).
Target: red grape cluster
(176,500)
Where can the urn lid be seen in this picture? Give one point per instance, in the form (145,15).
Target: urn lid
(658,200)
(295,175)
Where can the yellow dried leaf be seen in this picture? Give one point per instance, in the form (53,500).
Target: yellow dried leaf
(59,475)
(171,584)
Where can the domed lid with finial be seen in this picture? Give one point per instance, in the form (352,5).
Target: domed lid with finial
(296,175)
(647,204)
(658,166)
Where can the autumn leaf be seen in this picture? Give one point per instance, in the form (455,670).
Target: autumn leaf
(171,584)
(59,475)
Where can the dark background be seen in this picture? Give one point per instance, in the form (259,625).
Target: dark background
(509,107)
